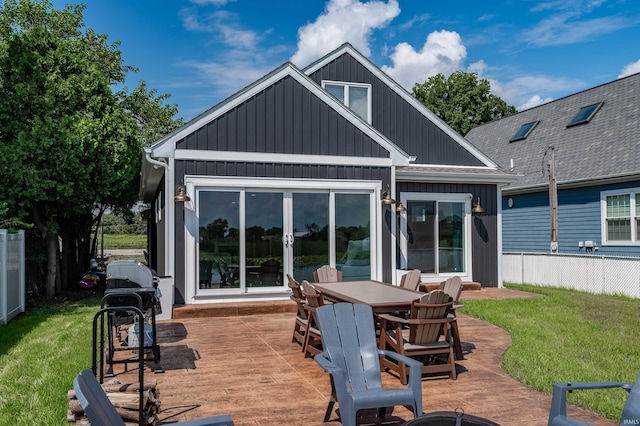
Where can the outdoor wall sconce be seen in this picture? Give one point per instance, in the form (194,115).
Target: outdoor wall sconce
(400,208)
(476,207)
(182,196)
(386,198)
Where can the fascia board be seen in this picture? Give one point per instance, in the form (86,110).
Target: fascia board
(455,176)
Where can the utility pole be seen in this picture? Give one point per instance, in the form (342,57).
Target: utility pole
(553,200)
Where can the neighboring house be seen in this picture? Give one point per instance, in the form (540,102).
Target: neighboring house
(288,174)
(595,135)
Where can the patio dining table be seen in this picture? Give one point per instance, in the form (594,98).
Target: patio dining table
(382,297)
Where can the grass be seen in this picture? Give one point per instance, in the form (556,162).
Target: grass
(569,336)
(40,353)
(125,241)
(565,336)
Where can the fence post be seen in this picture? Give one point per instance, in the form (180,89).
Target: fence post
(23,270)
(3,276)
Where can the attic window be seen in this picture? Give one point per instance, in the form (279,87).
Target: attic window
(585,114)
(354,95)
(523,131)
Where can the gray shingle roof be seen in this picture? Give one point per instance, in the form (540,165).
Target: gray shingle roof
(606,147)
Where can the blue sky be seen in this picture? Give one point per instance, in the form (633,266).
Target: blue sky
(202,51)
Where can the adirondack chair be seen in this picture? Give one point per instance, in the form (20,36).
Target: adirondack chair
(302,317)
(101,412)
(419,335)
(312,344)
(558,410)
(327,274)
(453,287)
(411,280)
(351,358)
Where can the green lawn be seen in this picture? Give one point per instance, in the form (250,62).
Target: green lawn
(125,241)
(565,336)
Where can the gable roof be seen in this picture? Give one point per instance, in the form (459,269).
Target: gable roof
(347,48)
(606,147)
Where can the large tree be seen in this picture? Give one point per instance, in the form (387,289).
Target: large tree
(461,100)
(71,147)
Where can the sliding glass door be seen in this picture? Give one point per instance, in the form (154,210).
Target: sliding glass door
(435,233)
(248,239)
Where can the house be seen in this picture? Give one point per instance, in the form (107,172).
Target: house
(593,138)
(308,167)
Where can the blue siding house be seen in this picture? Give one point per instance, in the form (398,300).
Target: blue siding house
(594,136)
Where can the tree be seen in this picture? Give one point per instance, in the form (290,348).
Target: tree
(461,100)
(71,147)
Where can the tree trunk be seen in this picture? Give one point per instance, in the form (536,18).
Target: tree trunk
(52,265)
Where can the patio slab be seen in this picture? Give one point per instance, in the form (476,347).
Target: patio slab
(245,366)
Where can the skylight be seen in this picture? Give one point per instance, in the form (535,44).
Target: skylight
(523,131)
(585,114)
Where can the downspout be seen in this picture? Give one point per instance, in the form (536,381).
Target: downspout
(499,236)
(168,223)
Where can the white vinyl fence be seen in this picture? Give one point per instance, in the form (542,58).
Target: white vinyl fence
(12,275)
(590,273)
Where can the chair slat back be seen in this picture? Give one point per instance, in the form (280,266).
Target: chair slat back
(411,280)
(297,296)
(433,306)
(327,274)
(453,287)
(349,339)
(312,295)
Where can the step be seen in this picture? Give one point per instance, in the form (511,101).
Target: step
(466,286)
(212,310)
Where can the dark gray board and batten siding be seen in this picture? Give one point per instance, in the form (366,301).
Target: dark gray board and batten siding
(284,118)
(399,121)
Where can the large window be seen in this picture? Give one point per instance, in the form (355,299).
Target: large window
(435,233)
(355,96)
(621,217)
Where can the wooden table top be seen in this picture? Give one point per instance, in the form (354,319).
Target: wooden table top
(382,297)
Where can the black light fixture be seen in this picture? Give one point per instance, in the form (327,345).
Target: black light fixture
(476,207)
(182,196)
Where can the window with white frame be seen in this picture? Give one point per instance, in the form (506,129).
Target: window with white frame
(356,96)
(621,217)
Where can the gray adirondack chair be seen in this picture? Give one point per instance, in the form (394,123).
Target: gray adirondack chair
(351,357)
(558,411)
(101,412)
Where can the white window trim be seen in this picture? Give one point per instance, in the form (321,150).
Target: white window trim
(405,197)
(634,215)
(346,85)
(195,183)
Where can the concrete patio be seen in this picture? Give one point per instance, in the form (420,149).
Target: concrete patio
(225,360)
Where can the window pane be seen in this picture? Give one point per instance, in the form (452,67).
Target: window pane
(336,90)
(311,234)
(619,230)
(219,238)
(353,249)
(263,235)
(450,237)
(359,101)
(619,206)
(421,236)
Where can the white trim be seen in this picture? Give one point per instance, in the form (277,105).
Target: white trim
(262,157)
(440,197)
(347,48)
(634,216)
(452,174)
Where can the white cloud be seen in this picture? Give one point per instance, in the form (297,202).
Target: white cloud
(527,91)
(631,68)
(223,24)
(533,102)
(343,21)
(442,52)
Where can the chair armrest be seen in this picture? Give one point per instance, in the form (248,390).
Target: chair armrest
(392,318)
(398,357)
(558,410)
(326,364)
